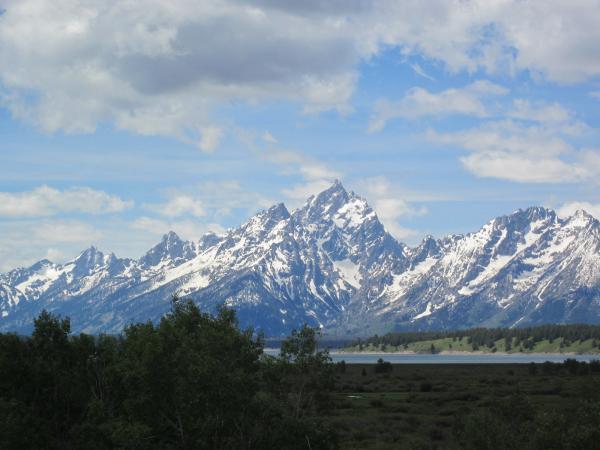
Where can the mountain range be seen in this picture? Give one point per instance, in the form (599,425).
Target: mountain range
(330,264)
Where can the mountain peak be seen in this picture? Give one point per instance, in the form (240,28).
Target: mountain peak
(580,218)
(88,260)
(539,213)
(278,212)
(170,248)
(337,188)
(582,213)
(523,219)
(332,264)
(171,237)
(90,252)
(326,202)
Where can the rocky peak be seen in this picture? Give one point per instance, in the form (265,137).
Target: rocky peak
(91,257)
(277,213)
(335,204)
(171,248)
(428,247)
(325,204)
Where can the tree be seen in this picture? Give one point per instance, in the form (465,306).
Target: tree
(193,380)
(383,366)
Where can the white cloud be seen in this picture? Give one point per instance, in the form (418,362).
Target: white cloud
(390,206)
(316,176)
(569,208)
(23,242)
(210,138)
(159,68)
(419,71)
(522,168)
(595,94)
(531,146)
(65,231)
(209,199)
(298,193)
(419,102)
(47,201)
(552,116)
(220,198)
(186,229)
(553,38)
(54,254)
(179,205)
(268,137)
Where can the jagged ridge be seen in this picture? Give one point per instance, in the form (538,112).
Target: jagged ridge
(332,264)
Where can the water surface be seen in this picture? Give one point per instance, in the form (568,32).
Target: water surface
(475,358)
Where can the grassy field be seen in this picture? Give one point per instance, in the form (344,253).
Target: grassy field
(463,345)
(421,406)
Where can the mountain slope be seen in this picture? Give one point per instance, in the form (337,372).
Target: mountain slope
(331,264)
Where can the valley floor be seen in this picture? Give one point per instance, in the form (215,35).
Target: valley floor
(446,406)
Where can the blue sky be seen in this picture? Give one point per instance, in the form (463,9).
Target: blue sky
(120,121)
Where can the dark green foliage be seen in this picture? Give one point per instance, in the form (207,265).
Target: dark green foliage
(506,424)
(425,386)
(467,406)
(383,366)
(193,381)
(532,368)
(515,424)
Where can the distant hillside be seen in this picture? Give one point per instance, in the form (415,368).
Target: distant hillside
(576,338)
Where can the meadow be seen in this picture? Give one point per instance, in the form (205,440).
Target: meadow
(449,406)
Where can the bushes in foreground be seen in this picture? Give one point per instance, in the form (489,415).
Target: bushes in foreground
(193,381)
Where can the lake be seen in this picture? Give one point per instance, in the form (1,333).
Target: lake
(476,358)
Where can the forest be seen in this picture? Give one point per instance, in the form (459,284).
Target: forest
(193,381)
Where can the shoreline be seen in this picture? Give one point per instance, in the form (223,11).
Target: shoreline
(340,352)
(459,353)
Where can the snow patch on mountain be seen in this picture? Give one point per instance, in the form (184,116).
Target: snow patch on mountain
(331,264)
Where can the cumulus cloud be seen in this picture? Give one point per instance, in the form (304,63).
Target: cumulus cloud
(210,138)
(298,193)
(517,152)
(47,201)
(419,102)
(186,229)
(552,116)
(390,206)
(208,199)
(530,142)
(544,113)
(179,205)
(316,176)
(569,208)
(23,242)
(159,68)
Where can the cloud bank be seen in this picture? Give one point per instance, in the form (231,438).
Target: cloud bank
(160,67)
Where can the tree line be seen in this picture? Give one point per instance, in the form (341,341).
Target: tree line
(525,337)
(192,381)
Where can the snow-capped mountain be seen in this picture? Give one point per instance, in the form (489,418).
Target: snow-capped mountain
(332,264)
